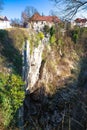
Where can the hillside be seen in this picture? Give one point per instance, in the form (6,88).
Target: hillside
(11,42)
(55,75)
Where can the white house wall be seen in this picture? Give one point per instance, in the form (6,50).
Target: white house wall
(39,25)
(4,24)
(85,25)
(81,24)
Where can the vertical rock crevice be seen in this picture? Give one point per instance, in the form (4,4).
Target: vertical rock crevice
(41,69)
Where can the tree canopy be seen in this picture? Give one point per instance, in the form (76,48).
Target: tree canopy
(70,7)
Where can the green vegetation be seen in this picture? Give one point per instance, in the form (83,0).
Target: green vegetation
(35,40)
(60,41)
(52,40)
(40,35)
(11,84)
(11,96)
(52,31)
(46,29)
(75,34)
(78,34)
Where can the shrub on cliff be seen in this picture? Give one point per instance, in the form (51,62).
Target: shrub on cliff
(52,40)
(11,97)
(52,31)
(46,29)
(40,35)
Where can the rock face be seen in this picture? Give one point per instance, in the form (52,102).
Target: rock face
(51,80)
(46,71)
(32,64)
(46,67)
(56,71)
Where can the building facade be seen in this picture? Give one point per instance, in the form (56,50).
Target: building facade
(4,22)
(37,22)
(81,22)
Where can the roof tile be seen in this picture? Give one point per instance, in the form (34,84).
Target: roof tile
(38,17)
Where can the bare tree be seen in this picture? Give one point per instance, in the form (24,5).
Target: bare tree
(70,7)
(16,22)
(27,13)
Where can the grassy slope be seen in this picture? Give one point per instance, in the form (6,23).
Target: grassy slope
(11,42)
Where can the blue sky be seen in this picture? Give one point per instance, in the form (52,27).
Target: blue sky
(13,8)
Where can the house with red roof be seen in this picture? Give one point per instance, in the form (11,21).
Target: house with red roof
(4,22)
(81,22)
(37,22)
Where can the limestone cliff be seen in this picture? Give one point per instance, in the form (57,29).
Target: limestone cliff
(52,81)
(33,64)
(46,67)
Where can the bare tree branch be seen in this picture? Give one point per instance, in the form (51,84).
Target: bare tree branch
(71,7)
(28,12)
